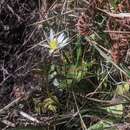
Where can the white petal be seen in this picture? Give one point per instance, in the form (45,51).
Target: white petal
(51,34)
(63,45)
(60,38)
(65,40)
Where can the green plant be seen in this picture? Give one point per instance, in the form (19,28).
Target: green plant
(49,104)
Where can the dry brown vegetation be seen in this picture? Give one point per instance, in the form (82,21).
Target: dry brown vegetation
(84,85)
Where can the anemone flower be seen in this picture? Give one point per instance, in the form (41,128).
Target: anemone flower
(56,43)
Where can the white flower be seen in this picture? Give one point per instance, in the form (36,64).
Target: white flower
(56,43)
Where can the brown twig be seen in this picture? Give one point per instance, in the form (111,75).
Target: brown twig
(17,100)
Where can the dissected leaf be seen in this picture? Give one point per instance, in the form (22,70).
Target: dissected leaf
(102,125)
(116,110)
(49,104)
(122,89)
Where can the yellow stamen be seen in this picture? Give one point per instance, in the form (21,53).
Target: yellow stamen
(53,44)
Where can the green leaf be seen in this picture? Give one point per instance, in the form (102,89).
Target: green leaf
(102,125)
(116,110)
(122,89)
(79,54)
(51,103)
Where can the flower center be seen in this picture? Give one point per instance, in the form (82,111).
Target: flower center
(53,44)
